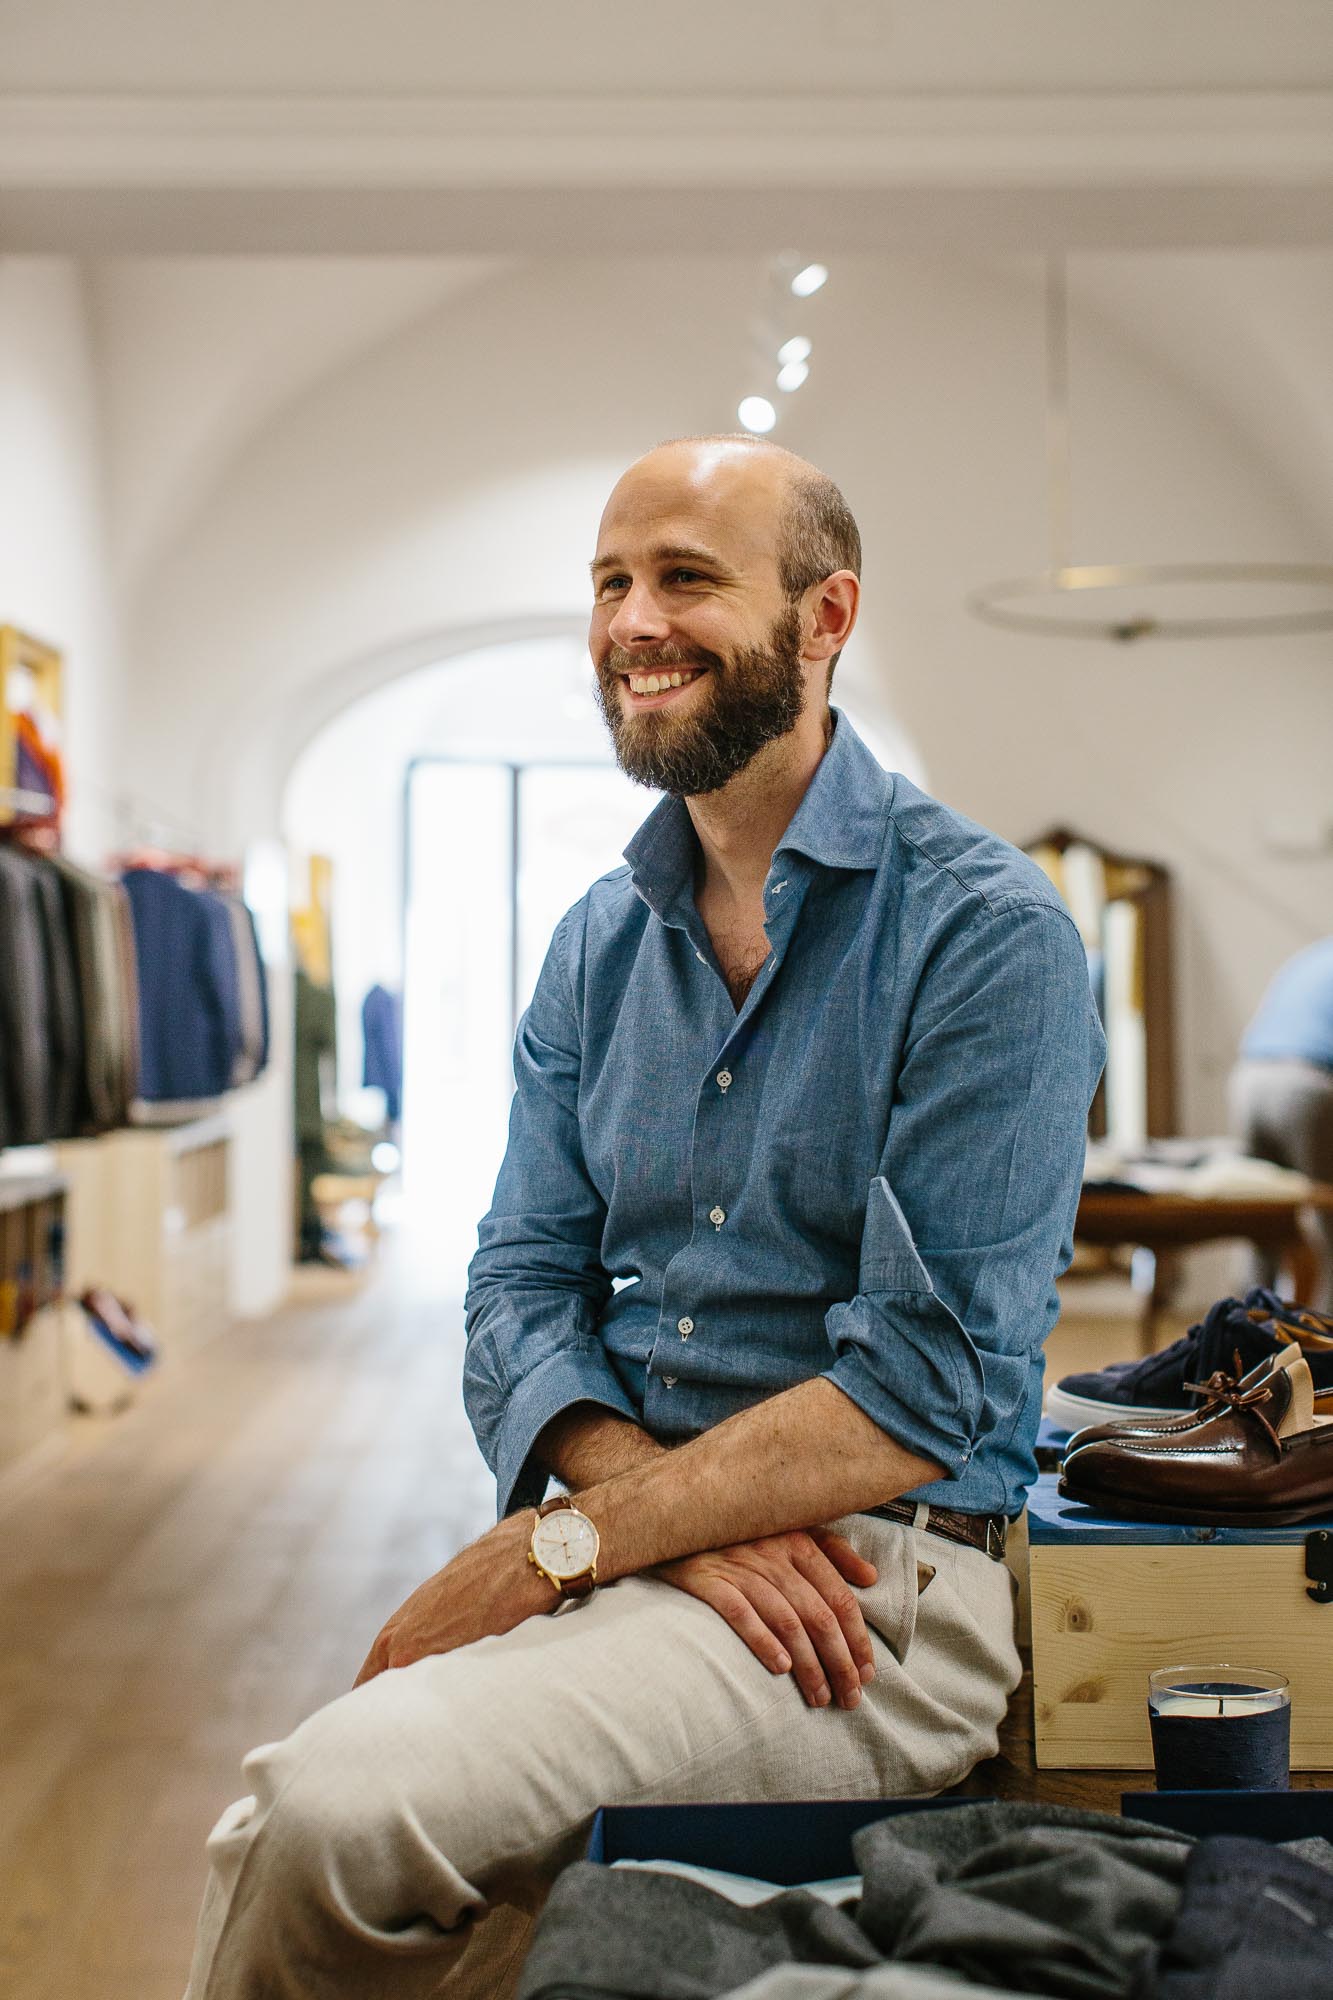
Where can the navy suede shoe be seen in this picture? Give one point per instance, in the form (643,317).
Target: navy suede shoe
(1252,1328)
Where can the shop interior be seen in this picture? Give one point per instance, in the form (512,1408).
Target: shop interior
(319,353)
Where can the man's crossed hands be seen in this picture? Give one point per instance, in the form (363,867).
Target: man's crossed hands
(790,1597)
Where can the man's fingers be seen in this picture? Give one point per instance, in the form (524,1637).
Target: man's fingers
(372,1665)
(732,1604)
(845,1559)
(848,1657)
(783,1618)
(793,1608)
(759,1613)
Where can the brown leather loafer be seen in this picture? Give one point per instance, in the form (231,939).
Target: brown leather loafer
(1215,1391)
(1262,1458)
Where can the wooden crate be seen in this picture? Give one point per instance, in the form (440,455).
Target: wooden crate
(1111,1600)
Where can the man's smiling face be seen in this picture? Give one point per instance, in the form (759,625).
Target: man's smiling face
(695,643)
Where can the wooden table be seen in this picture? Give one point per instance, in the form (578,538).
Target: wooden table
(1157,1226)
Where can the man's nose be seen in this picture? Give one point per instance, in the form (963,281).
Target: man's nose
(639,619)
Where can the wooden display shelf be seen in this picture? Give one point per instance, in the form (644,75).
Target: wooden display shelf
(32,1228)
(150,1216)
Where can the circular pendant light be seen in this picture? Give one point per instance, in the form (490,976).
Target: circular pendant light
(1128,602)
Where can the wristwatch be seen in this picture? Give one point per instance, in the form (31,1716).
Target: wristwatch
(565,1547)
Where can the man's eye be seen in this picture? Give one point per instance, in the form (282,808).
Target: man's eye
(686,576)
(612,583)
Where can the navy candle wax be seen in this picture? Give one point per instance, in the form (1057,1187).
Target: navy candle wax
(1220,1734)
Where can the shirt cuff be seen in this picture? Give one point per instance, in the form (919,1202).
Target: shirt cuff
(572,1375)
(925,1392)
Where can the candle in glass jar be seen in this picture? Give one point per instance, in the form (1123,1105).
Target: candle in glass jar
(1220,1727)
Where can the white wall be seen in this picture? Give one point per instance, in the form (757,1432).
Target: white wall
(447,487)
(53,566)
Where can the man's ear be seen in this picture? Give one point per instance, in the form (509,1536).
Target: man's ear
(831,613)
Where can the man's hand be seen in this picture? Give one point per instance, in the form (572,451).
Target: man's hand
(489,1587)
(787,1596)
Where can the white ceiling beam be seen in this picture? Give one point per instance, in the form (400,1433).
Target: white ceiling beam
(524,174)
(1275,137)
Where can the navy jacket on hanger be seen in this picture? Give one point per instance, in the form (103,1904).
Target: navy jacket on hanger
(189,993)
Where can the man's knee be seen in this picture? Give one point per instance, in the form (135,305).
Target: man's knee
(339,1832)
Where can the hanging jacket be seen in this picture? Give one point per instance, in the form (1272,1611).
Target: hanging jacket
(382,1031)
(190,1032)
(25,1054)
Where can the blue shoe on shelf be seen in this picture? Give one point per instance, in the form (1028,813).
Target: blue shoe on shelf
(1233,1337)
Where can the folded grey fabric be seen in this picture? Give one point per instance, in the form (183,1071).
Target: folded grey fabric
(638,1935)
(1029,1899)
(1042,1899)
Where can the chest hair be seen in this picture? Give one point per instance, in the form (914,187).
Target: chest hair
(742,954)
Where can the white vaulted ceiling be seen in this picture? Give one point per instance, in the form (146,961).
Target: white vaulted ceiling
(197,354)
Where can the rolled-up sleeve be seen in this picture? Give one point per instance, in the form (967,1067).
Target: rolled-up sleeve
(537,1284)
(970,1218)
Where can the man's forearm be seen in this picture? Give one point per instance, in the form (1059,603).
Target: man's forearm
(802,1458)
(587,1445)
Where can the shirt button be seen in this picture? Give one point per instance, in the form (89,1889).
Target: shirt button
(724,1079)
(668,1381)
(717,1216)
(685,1327)
(702,960)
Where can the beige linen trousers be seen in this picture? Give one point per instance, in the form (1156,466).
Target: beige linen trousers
(398,1843)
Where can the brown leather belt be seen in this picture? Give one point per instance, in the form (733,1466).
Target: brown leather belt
(976,1531)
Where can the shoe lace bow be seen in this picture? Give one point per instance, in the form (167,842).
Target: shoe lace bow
(1226,1391)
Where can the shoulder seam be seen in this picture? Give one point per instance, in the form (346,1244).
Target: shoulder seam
(1017,900)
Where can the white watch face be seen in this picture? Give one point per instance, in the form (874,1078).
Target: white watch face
(565,1543)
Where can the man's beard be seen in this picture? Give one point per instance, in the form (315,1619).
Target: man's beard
(753,698)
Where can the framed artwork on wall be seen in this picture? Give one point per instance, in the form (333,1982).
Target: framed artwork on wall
(32,775)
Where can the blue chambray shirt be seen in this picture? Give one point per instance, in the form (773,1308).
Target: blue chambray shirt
(870,1172)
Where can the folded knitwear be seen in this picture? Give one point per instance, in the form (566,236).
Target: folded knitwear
(1018,1898)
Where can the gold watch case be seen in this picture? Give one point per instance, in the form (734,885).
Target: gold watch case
(565,1546)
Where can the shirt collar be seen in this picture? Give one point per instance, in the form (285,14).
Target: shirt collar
(838,824)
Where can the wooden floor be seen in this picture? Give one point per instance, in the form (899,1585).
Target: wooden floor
(189,1580)
(196,1576)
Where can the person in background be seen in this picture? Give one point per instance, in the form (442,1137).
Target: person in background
(1281,1090)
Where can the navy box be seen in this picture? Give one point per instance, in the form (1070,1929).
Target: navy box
(1248,1815)
(778,1843)
(812,1842)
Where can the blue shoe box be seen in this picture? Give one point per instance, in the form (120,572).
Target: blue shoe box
(787,1843)
(812,1842)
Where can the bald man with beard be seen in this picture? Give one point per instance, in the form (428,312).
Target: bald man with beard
(809,1077)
